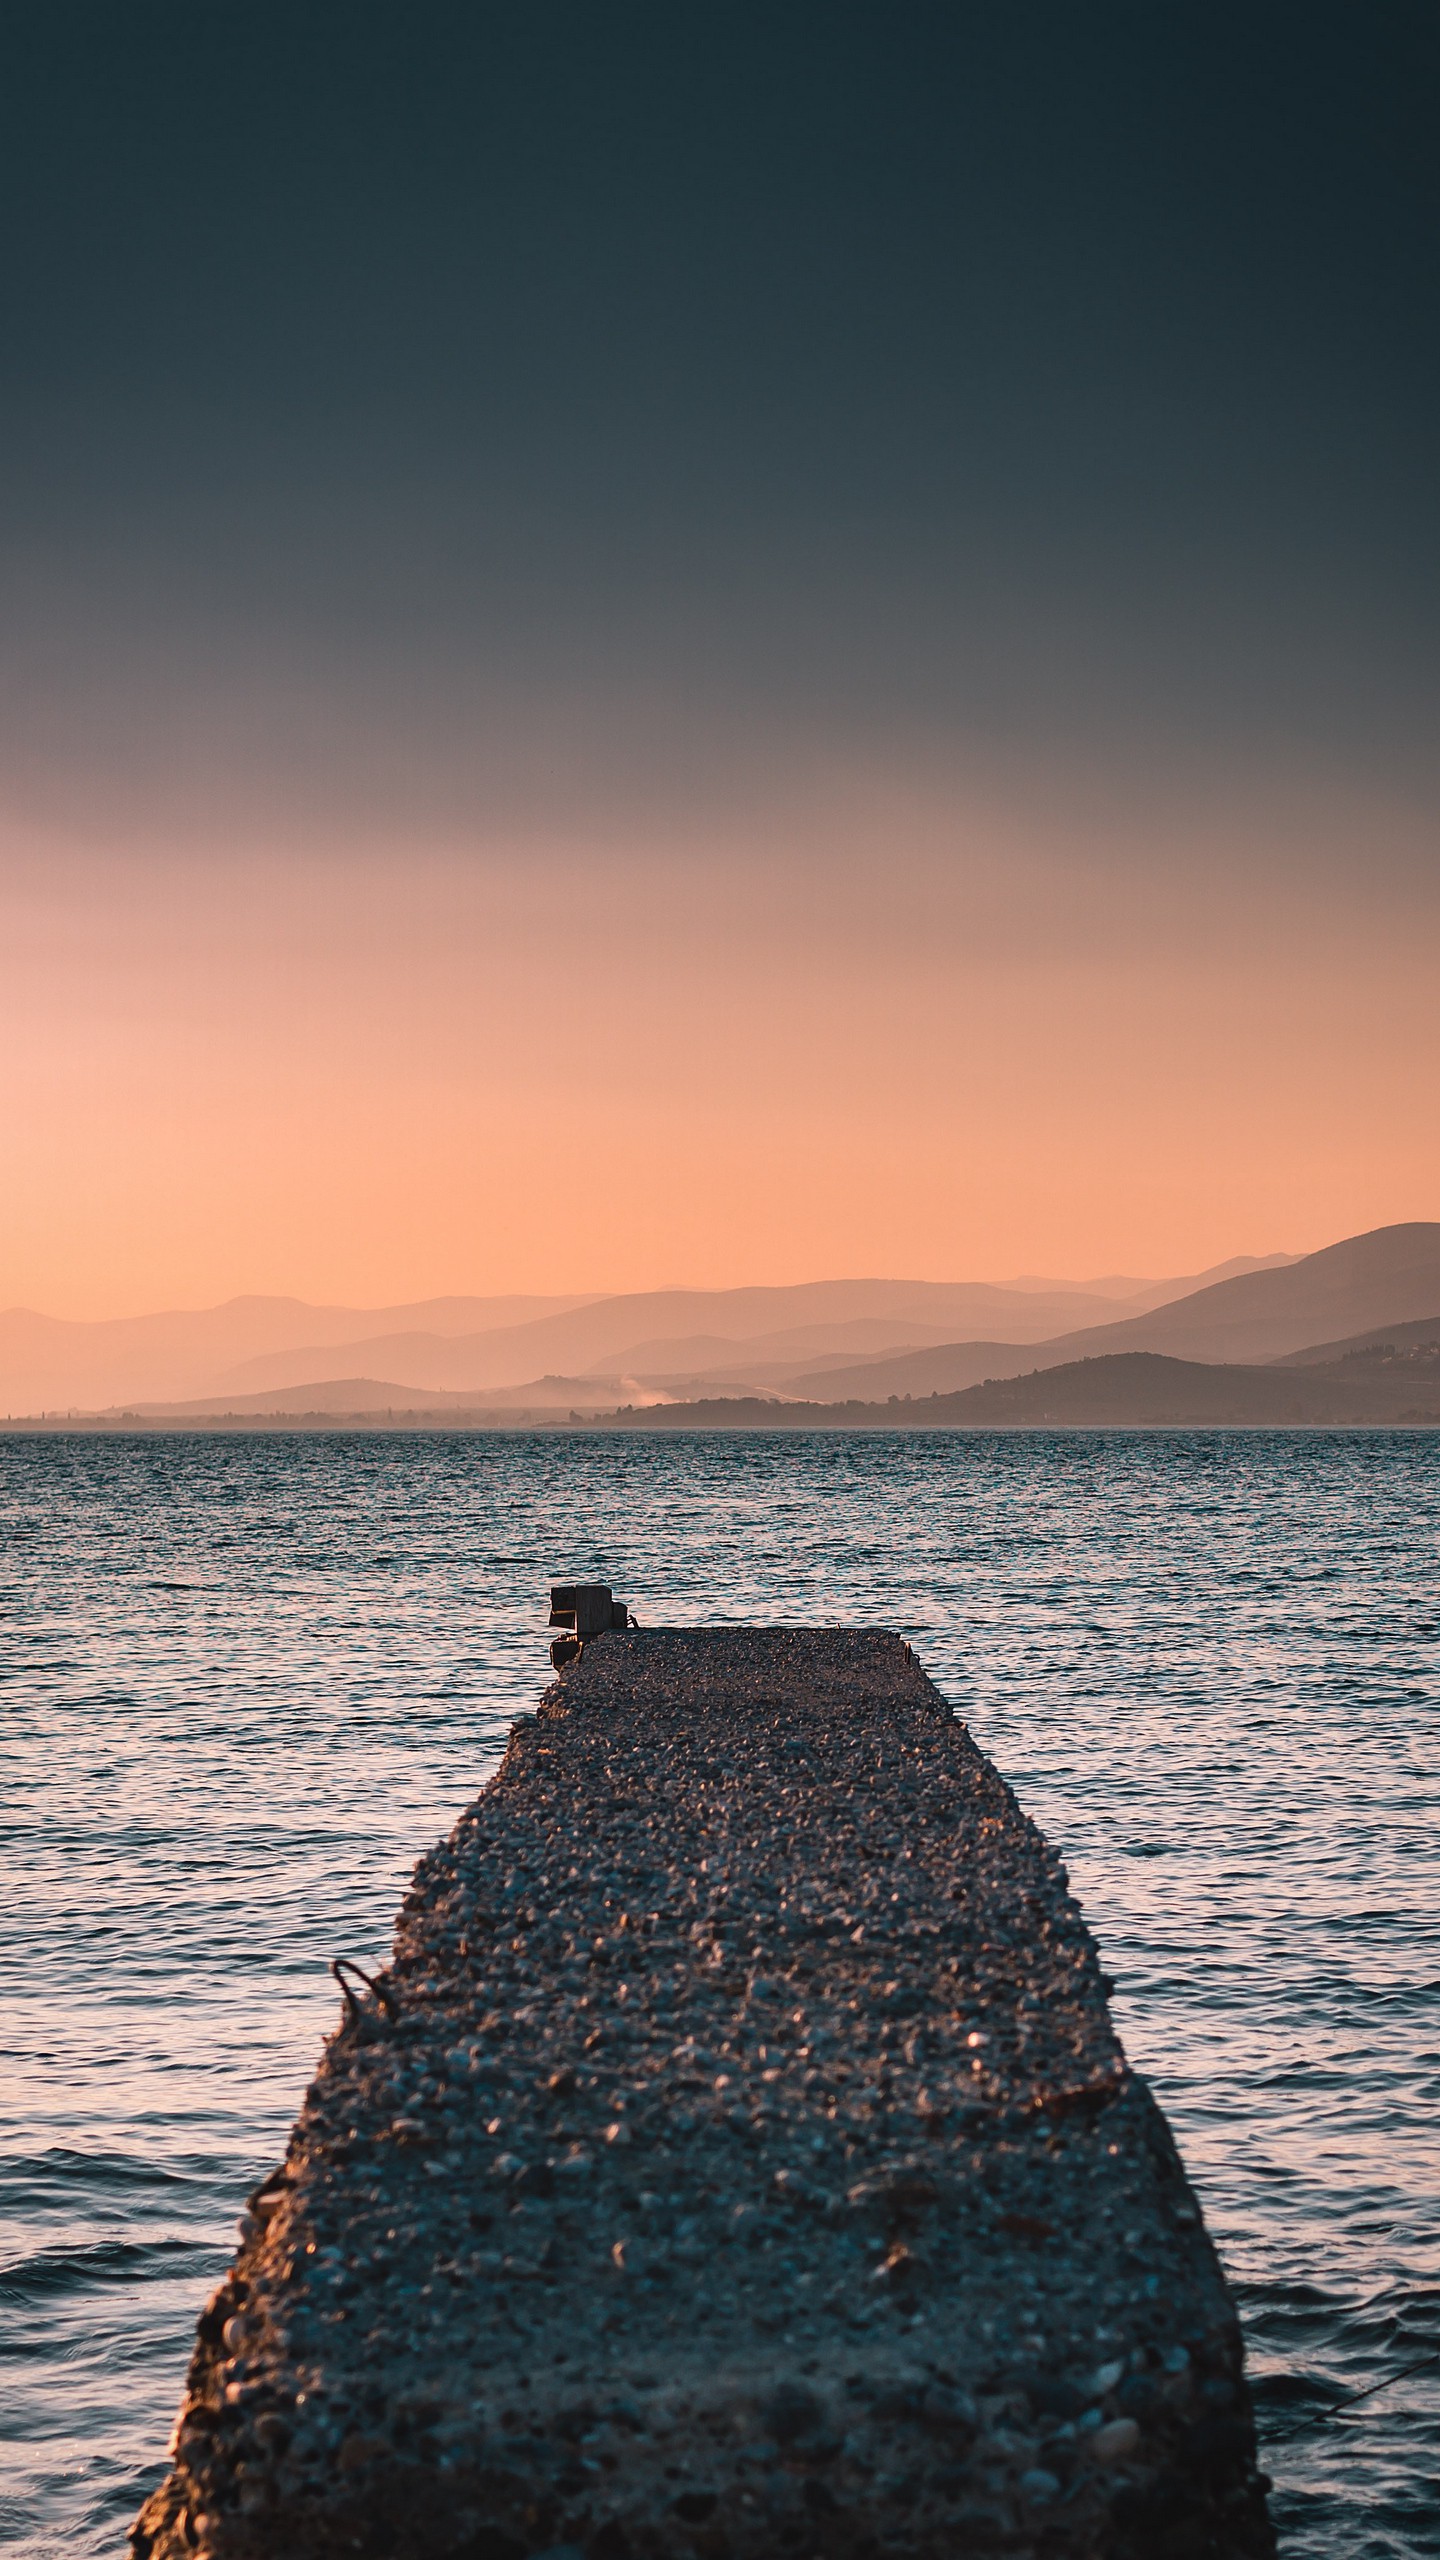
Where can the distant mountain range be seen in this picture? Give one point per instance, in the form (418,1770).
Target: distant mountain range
(1389,1277)
(1348,1334)
(662,1338)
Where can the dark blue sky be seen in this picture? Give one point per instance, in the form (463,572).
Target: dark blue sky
(1034,373)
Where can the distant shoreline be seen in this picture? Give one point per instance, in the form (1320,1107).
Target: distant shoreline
(422,1425)
(1120,1391)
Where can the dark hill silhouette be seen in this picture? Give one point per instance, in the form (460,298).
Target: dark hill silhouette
(1145,1389)
(1386,1278)
(1135,1390)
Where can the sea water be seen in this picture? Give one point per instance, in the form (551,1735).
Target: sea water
(244,1682)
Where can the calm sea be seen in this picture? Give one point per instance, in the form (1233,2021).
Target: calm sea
(243,1683)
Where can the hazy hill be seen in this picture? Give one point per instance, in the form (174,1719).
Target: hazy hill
(663,1329)
(340,1396)
(1388,1277)
(481,1364)
(1140,1295)
(1386,1346)
(758,1337)
(56,1361)
(752,1337)
(321,1395)
(945,1370)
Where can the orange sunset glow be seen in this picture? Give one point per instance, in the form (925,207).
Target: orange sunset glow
(583,717)
(854,1027)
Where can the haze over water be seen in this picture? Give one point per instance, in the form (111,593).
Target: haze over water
(246,1683)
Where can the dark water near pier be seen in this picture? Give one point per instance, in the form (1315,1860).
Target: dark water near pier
(244,1683)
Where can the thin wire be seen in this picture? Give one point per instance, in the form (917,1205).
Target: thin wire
(1369,2393)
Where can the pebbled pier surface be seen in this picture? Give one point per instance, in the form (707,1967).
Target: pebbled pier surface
(750,2171)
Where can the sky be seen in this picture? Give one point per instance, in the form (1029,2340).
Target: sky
(644,646)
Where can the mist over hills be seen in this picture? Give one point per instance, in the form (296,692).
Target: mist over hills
(669,1338)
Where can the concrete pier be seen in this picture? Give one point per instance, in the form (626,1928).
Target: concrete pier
(736,2161)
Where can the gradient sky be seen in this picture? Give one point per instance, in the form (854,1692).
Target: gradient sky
(644,645)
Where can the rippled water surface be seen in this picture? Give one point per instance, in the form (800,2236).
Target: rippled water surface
(244,1683)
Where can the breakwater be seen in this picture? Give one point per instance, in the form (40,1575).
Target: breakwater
(736,2158)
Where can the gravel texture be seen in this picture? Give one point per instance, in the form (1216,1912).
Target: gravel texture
(749,2167)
